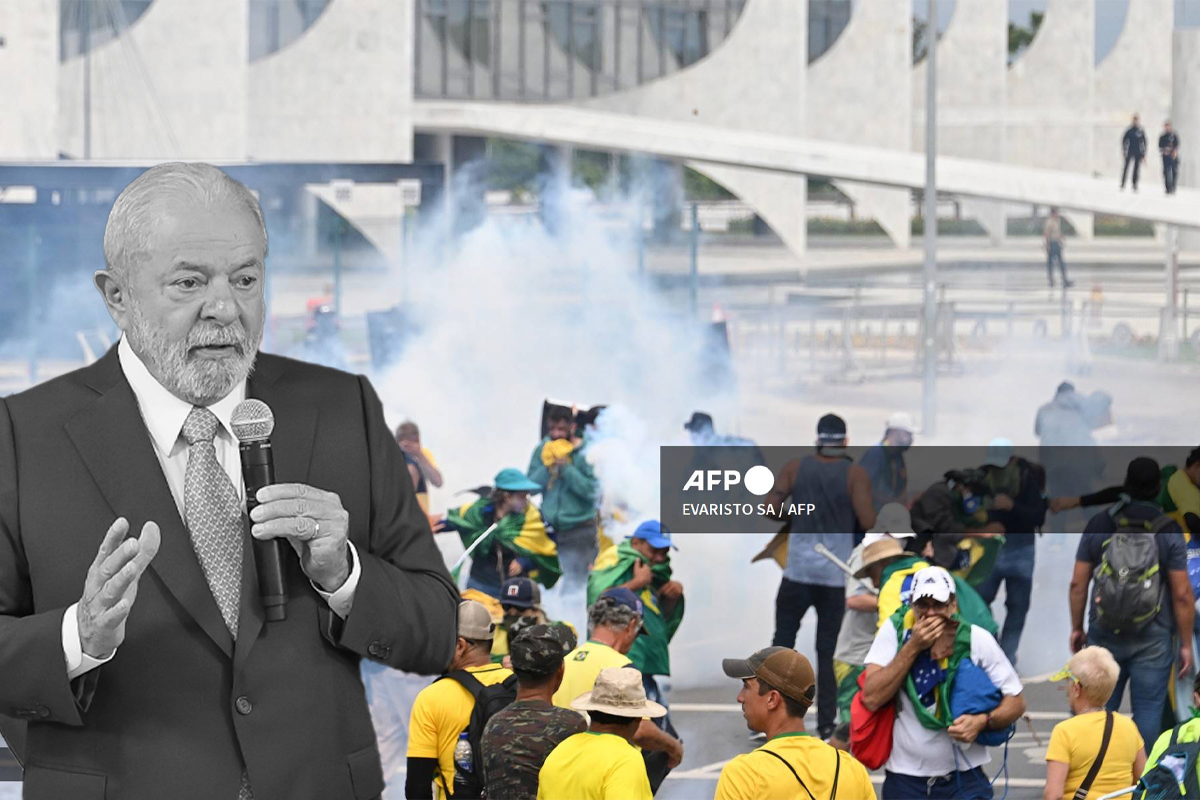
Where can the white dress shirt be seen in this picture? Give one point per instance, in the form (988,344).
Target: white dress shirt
(164,415)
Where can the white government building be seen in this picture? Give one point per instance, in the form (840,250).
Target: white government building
(755,93)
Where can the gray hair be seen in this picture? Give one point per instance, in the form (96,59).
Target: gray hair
(608,613)
(130,222)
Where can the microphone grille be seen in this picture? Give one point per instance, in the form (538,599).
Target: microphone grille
(252,420)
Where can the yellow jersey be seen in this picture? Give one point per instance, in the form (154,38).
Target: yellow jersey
(583,664)
(594,766)
(1076,743)
(759,774)
(440,713)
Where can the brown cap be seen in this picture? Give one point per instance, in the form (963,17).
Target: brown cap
(782,667)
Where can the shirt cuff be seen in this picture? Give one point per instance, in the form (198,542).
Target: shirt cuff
(78,662)
(341,601)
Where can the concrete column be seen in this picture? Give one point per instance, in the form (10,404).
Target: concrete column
(972,75)
(1185,114)
(344,89)
(29,64)
(170,86)
(728,89)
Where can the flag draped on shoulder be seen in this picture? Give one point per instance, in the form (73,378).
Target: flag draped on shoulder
(524,534)
(614,566)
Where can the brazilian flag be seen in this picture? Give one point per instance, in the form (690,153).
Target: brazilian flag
(977,558)
(523,534)
(614,566)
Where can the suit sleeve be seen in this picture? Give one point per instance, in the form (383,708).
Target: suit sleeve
(405,604)
(33,667)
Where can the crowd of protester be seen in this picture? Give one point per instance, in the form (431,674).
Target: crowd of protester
(911,672)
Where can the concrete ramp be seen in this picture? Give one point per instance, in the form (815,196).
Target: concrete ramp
(603,130)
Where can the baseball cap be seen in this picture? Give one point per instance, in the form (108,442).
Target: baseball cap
(784,668)
(511,479)
(933,582)
(540,649)
(699,422)
(474,621)
(999,451)
(831,428)
(900,421)
(619,691)
(520,593)
(624,597)
(655,534)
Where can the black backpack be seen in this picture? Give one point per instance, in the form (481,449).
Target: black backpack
(1174,774)
(1127,584)
(489,700)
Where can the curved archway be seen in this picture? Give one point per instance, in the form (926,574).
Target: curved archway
(826,21)
(945,12)
(1024,22)
(274,24)
(1111,19)
(102,23)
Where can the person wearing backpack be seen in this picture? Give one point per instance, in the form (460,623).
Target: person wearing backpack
(1135,559)
(1166,773)
(778,688)
(450,714)
(518,739)
(1096,751)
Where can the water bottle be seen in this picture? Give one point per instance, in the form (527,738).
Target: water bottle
(464,767)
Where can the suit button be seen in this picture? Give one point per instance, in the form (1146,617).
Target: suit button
(42,712)
(243,705)
(377,650)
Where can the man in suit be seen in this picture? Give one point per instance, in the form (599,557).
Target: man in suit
(143,666)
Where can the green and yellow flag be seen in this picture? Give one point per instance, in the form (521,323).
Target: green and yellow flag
(614,566)
(525,535)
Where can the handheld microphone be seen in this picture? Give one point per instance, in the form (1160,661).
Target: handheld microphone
(252,424)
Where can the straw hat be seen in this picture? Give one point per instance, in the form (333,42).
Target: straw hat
(884,550)
(619,691)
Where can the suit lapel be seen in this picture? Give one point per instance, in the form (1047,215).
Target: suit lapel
(114,444)
(291,447)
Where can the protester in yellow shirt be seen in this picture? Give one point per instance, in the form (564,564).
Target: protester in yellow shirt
(601,763)
(1075,744)
(443,709)
(778,687)
(616,621)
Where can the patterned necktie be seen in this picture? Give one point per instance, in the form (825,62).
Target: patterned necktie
(214,520)
(214,515)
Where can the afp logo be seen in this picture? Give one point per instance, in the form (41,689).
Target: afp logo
(758,480)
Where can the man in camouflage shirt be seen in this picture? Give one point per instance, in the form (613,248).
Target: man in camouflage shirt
(517,740)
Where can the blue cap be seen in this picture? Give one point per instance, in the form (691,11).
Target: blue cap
(513,480)
(655,534)
(520,593)
(626,597)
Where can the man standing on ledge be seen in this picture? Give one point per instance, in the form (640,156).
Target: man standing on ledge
(140,656)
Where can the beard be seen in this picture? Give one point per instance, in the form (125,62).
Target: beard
(199,381)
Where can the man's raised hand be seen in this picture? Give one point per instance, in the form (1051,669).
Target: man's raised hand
(111,587)
(314,523)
